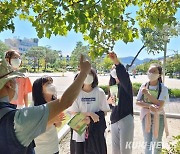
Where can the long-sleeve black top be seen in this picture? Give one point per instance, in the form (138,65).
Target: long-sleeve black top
(96,142)
(125,94)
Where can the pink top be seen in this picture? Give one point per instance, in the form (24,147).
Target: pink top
(147,113)
(24,87)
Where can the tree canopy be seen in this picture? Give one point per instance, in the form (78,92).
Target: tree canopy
(79,49)
(3,48)
(102,22)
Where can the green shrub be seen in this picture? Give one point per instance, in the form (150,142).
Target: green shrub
(174,93)
(174,147)
(105,88)
(135,87)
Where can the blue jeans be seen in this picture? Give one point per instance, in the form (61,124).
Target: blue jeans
(122,135)
(152,144)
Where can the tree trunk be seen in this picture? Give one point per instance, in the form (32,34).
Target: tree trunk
(45,65)
(34,65)
(38,64)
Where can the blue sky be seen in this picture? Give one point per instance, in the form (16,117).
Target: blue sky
(67,43)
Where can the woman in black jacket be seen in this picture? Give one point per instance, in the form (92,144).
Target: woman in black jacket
(122,122)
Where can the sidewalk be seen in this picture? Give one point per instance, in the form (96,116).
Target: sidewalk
(171,108)
(174,130)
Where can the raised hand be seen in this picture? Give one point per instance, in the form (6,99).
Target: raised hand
(85,66)
(113,57)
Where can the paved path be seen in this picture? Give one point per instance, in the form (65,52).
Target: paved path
(169,82)
(174,129)
(62,82)
(104,80)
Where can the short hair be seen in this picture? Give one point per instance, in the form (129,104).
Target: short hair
(95,78)
(10,53)
(37,90)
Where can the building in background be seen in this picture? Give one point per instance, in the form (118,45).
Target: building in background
(21,44)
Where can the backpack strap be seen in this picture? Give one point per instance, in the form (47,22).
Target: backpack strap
(4,111)
(159,89)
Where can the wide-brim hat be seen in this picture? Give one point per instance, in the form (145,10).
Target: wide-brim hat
(7,73)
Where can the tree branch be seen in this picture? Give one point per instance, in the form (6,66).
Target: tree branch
(128,66)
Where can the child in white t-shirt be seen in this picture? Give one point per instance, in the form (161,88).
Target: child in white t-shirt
(90,100)
(151,97)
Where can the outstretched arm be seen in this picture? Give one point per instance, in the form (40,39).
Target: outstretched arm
(69,96)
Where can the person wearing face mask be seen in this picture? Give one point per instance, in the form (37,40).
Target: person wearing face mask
(91,102)
(19,127)
(122,121)
(113,88)
(44,91)
(152,97)
(23,84)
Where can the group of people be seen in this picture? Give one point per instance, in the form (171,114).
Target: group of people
(28,130)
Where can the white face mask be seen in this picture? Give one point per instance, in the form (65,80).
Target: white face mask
(16,92)
(152,76)
(16,63)
(51,89)
(89,79)
(113,74)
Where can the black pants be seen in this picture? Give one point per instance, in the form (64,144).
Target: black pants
(76,147)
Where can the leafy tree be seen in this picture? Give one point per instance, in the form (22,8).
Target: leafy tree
(97,63)
(174,146)
(102,22)
(106,64)
(60,65)
(173,65)
(3,48)
(53,56)
(50,57)
(144,67)
(154,40)
(35,53)
(79,49)
(176,64)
